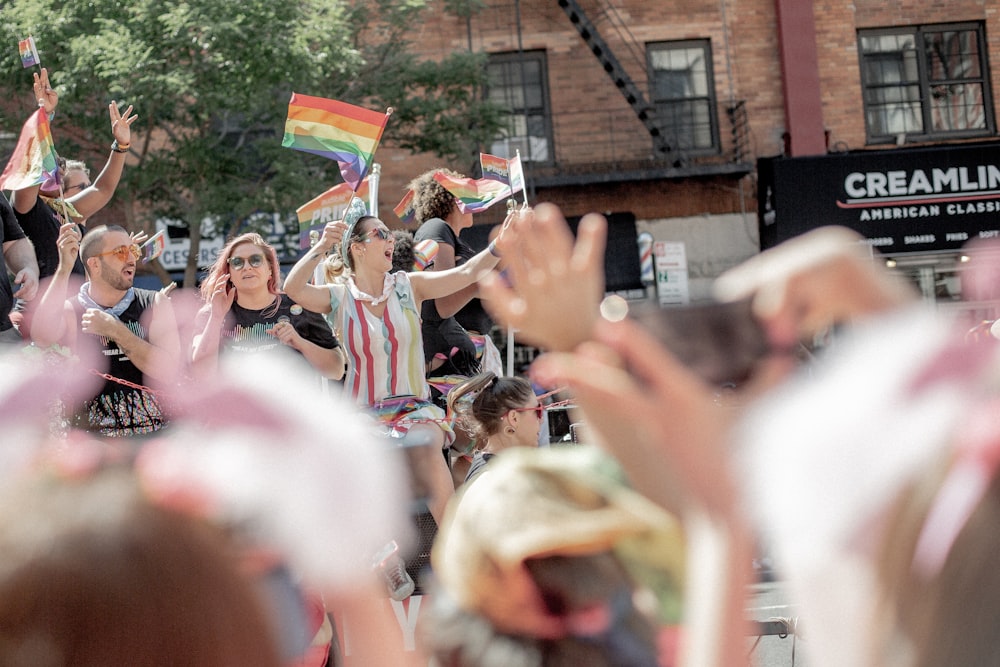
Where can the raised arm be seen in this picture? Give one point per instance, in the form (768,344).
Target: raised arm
(94,198)
(52,321)
(450,304)
(314,297)
(205,346)
(47,98)
(437,284)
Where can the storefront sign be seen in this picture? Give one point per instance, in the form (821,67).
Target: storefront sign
(902,201)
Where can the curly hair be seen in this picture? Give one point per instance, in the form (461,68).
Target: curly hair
(430,198)
(402,251)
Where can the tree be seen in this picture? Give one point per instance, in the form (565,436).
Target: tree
(211,81)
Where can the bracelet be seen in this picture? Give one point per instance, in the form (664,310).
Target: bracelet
(52,115)
(492,247)
(119,148)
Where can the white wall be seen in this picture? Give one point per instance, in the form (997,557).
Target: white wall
(713,243)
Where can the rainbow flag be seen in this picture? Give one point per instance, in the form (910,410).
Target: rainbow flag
(508,172)
(34,160)
(29,54)
(154,247)
(327,207)
(424,254)
(404,210)
(339,131)
(474,196)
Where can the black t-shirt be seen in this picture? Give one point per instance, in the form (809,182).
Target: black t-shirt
(124,406)
(41,225)
(438,230)
(245,330)
(9,231)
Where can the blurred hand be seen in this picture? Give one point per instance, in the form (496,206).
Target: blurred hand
(556,282)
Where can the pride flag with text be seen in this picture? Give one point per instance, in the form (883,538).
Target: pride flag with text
(343,132)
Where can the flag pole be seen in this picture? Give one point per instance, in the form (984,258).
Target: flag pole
(524,186)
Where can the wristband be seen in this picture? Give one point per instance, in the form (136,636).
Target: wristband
(492,247)
(119,148)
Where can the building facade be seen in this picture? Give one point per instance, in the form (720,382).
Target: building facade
(727,127)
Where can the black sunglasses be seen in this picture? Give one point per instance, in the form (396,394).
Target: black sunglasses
(253,260)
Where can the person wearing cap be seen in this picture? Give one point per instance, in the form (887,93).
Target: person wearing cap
(245,311)
(377,314)
(551,559)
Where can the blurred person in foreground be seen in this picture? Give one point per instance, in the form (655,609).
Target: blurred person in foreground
(872,475)
(549,560)
(269,489)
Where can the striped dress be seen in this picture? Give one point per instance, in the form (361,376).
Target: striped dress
(385,356)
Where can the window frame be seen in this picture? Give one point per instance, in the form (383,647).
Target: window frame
(925,84)
(515,59)
(705,44)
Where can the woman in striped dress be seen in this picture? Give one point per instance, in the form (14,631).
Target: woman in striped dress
(377,315)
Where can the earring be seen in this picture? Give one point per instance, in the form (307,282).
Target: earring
(509,429)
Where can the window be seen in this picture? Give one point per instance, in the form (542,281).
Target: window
(683,92)
(926,82)
(517,81)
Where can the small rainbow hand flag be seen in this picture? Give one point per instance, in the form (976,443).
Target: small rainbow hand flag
(404,210)
(34,160)
(335,130)
(29,54)
(154,247)
(474,196)
(424,254)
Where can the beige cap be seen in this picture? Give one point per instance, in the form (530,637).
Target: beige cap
(530,503)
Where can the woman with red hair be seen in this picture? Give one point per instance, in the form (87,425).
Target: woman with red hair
(246,311)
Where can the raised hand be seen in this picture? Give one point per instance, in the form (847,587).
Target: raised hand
(121,123)
(222,296)
(47,97)
(555,283)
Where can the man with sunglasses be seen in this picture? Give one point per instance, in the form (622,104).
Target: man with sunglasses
(40,212)
(131,332)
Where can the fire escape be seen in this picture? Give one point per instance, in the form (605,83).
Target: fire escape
(667,158)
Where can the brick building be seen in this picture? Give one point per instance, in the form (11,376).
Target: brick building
(728,126)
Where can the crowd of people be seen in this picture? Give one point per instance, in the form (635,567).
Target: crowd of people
(208,469)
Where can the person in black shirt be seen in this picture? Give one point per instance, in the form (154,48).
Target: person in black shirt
(447,346)
(19,257)
(246,312)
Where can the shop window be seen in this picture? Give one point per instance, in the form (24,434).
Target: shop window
(683,92)
(925,82)
(518,82)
